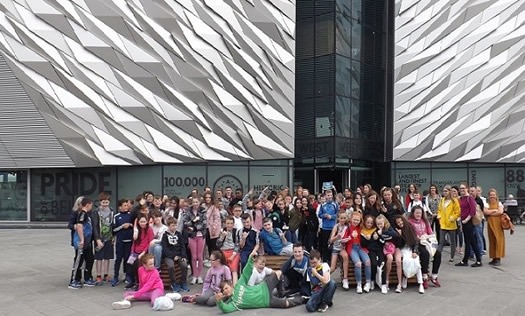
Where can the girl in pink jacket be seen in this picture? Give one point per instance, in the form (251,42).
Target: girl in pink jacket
(150,285)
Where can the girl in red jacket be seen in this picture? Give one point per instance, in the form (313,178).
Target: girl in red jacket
(358,254)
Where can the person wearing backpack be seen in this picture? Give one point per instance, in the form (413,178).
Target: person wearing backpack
(82,241)
(228,243)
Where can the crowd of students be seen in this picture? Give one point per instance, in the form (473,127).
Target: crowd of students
(235,232)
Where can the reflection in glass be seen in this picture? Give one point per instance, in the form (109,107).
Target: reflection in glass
(324,35)
(13,195)
(342,76)
(342,110)
(343,30)
(356,40)
(356,79)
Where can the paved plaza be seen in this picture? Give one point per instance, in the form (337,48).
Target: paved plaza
(35,268)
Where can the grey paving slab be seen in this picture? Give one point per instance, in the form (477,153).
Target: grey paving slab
(35,265)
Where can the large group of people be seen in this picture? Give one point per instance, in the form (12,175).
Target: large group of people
(231,234)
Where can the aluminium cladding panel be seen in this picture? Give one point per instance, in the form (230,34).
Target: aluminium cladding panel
(148,81)
(459,78)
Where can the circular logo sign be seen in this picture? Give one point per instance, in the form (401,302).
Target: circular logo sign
(227,180)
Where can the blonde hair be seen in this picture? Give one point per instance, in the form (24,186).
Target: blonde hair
(382,217)
(491,204)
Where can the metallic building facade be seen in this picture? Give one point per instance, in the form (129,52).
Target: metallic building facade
(459,81)
(130,82)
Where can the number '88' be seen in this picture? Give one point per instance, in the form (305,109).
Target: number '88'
(518,175)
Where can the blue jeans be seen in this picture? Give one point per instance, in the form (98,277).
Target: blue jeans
(478,234)
(322,296)
(358,255)
(291,236)
(156,251)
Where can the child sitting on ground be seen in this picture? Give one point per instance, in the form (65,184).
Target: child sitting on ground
(150,285)
(218,273)
(260,272)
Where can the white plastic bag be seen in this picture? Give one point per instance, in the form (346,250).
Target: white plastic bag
(410,265)
(163,303)
(174,296)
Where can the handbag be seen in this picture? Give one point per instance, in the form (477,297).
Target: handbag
(506,223)
(478,217)
(431,244)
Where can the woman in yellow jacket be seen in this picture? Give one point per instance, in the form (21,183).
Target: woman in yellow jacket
(447,214)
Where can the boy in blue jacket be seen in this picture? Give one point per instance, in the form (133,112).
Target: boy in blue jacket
(328,213)
(123,231)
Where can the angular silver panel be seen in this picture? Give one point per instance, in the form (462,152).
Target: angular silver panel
(460,80)
(130,82)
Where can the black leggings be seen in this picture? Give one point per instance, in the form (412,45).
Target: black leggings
(424,257)
(211,243)
(377,258)
(323,245)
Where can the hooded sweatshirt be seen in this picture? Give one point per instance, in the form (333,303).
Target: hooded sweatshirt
(244,296)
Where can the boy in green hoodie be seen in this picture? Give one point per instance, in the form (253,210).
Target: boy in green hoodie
(242,296)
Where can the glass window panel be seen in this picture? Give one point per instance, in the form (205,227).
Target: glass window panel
(343,7)
(356,9)
(324,117)
(343,119)
(13,195)
(515,176)
(356,79)
(442,177)
(495,178)
(220,177)
(342,76)
(53,191)
(137,179)
(276,178)
(343,30)
(180,180)
(324,35)
(356,40)
(405,177)
(354,123)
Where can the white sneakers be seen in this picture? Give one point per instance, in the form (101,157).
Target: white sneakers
(359,288)
(372,286)
(384,289)
(404,282)
(367,287)
(193,281)
(421,288)
(124,304)
(345,284)
(398,288)
(199,280)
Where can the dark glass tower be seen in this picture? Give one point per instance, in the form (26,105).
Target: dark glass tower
(343,100)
